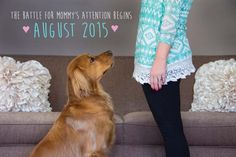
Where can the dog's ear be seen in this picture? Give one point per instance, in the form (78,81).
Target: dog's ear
(80,84)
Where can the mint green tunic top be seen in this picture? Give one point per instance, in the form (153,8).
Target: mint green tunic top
(163,21)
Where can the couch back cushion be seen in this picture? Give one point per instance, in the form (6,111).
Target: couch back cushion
(126,93)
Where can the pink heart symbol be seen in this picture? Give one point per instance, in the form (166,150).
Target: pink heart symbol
(114,28)
(26,29)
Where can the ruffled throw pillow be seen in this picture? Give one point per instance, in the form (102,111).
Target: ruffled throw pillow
(215,87)
(23,86)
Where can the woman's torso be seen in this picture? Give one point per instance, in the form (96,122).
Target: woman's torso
(152,13)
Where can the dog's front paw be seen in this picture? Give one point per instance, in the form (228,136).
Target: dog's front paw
(98,154)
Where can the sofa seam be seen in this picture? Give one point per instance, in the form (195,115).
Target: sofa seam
(183,126)
(122,124)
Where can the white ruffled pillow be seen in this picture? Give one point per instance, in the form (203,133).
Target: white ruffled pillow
(215,87)
(23,86)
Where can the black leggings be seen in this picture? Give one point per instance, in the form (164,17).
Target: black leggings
(165,107)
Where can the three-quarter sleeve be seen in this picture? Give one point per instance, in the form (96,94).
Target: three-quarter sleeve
(169,21)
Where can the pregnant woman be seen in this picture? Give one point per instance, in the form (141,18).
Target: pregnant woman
(162,58)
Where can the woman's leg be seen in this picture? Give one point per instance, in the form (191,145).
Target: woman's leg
(165,107)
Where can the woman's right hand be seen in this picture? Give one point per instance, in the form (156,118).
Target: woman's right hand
(158,73)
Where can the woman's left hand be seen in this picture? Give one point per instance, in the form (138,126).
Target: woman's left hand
(158,73)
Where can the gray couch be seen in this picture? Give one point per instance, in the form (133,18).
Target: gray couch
(208,134)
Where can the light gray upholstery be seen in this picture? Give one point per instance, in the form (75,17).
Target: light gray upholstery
(137,135)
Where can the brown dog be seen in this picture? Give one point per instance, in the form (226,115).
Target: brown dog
(85,128)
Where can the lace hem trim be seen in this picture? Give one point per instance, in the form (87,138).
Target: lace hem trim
(175,71)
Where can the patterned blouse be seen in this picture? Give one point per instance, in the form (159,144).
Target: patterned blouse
(163,21)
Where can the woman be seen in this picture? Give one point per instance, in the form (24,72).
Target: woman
(163,57)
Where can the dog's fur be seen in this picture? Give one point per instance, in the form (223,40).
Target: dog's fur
(85,128)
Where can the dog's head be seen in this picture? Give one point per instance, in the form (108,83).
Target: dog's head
(85,71)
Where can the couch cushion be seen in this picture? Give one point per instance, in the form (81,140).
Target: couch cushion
(201,128)
(132,151)
(121,73)
(30,128)
(127,94)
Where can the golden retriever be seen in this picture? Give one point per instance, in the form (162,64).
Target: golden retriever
(85,127)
